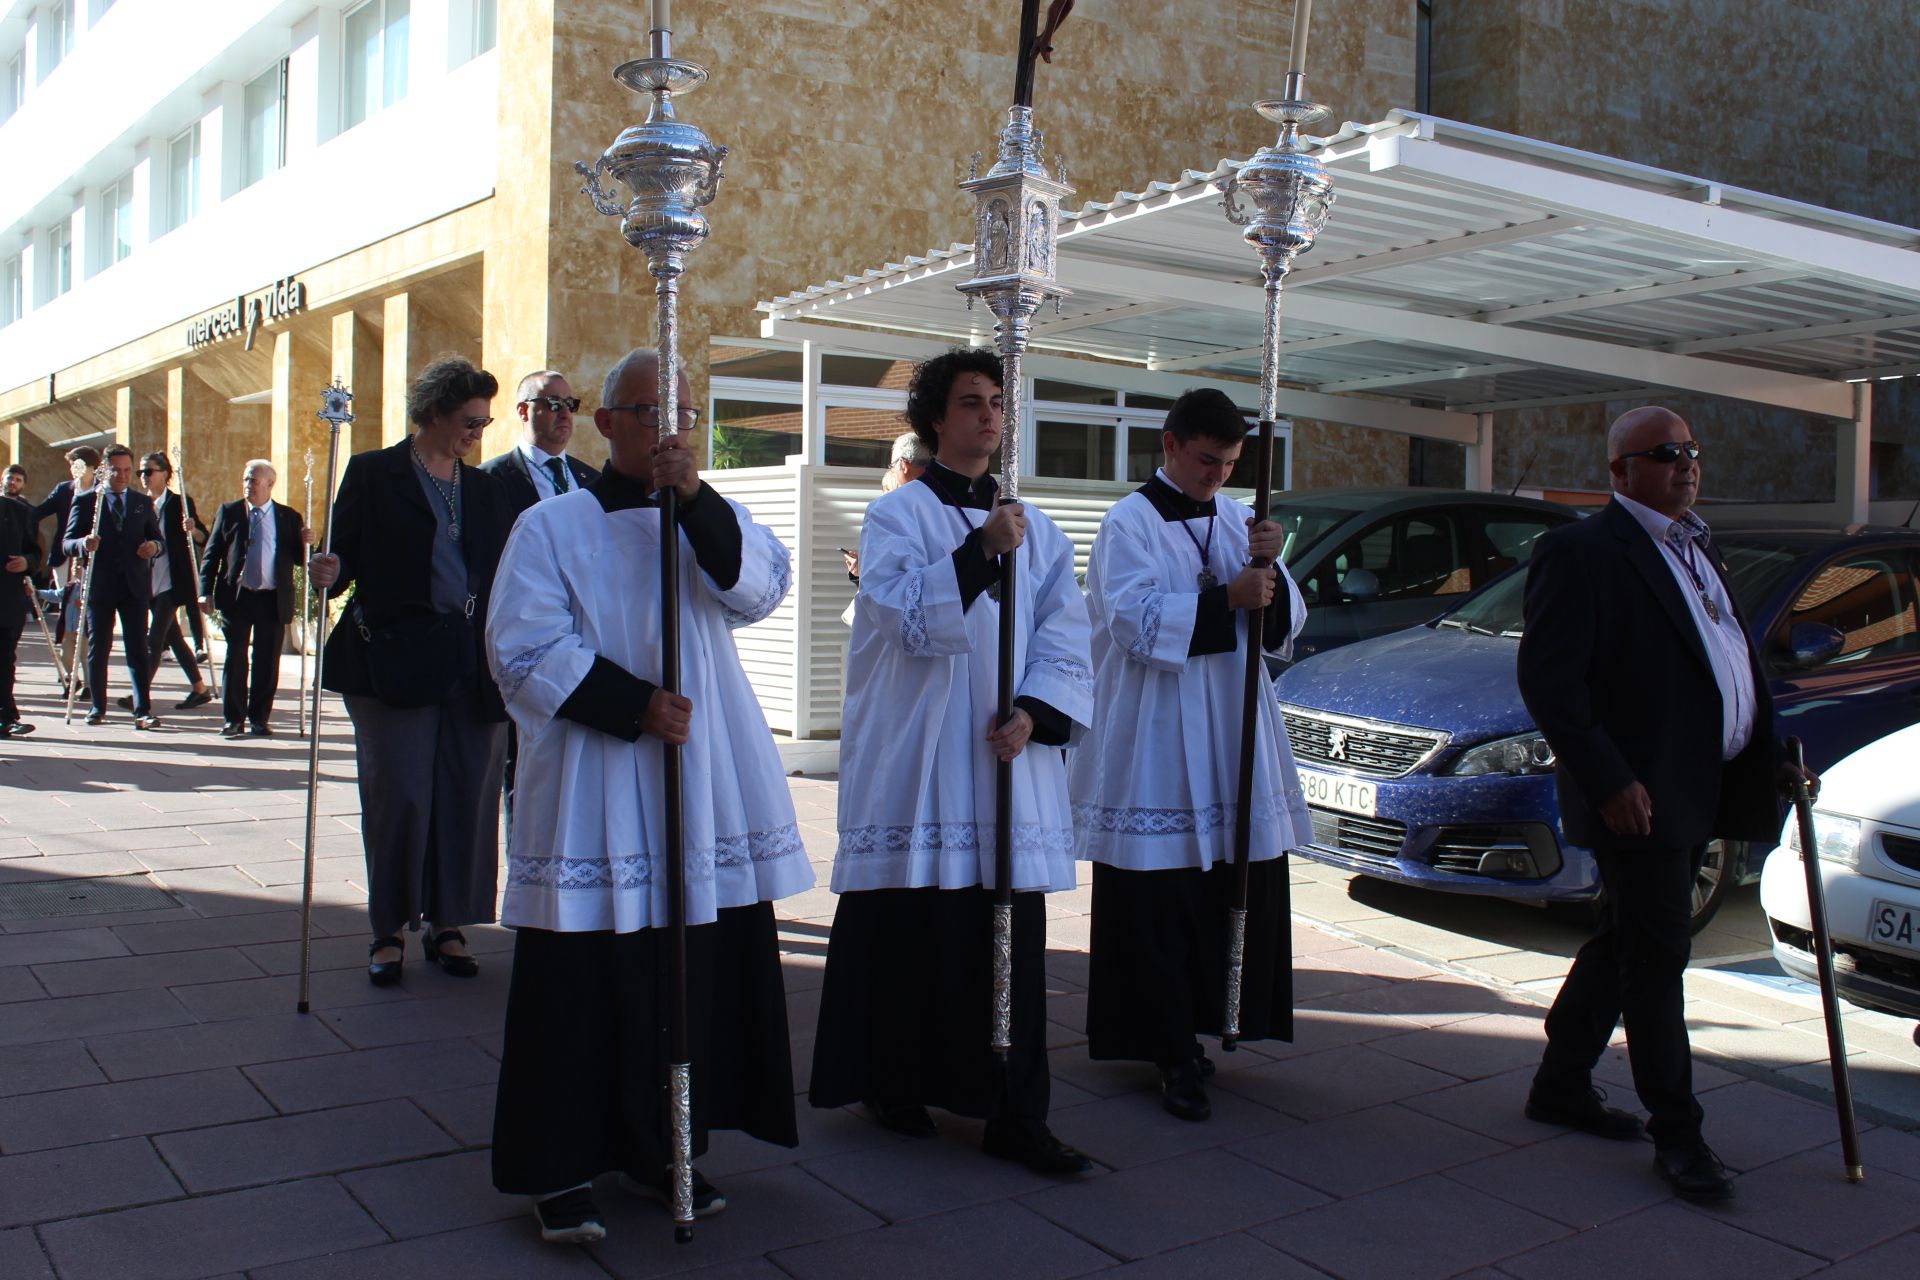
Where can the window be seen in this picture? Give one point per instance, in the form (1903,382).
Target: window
(486,25)
(116,210)
(1410,557)
(13,298)
(183,178)
(766,363)
(1868,599)
(59,35)
(746,433)
(59,258)
(97,10)
(376,58)
(264,125)
(13,85)
(858,436)
(866,371)
(1073,450)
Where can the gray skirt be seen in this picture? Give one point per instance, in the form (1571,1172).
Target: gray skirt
(429,811)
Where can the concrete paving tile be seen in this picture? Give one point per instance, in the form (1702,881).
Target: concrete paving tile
(426,1197)
(82,1016)
(1572,1178)
(1363,1150)
(95,1113)
(1884,1149)
(1518,966)
(1429,1002)
(1135,1129)
(241,1230)
(374,1026)
(1377,962)
(1234,1255)
(338,858)
(1420,1230)
(368,1075)
(914,1179)
(1741,1037)
(1615,1071)
(1316,1030)
(200,934)
(1139,1212)
(466,1113)
(998,1239)
(76,866)
(1890,1259)
(1493,1106)
(262,996)
(1890,1083)
(69,944)
(18,983)
(185,857)
(829,1132)
(1103,1079)
(106,919)
(1318,984)
(21,1257)
(1752,1124)
(55,1064)
(43,1185)
(1806,1203)
(771,1210)
(1473,1048)
(493,1251)
(1649,1242)
(137,973)
(236,1043)
(1349,1078)
(281,958)
(223,1157)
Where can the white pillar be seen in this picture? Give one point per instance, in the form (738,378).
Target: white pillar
(1479,468)
(1854,457)
(813,415)
(222,144)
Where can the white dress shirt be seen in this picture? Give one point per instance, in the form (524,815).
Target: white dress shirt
(1683,544)
(264,530)
(543,477)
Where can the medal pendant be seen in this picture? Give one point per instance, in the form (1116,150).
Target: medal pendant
(993,592)
(453,531)
(1206,579)
(1713,610)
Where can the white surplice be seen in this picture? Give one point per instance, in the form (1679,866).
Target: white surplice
(916,777)
(578,581)
(1154,784)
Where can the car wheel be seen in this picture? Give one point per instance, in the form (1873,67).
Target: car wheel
(1711,885)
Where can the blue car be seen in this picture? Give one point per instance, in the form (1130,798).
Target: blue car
(1421,765)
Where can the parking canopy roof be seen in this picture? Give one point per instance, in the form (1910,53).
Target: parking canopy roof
(1464,271)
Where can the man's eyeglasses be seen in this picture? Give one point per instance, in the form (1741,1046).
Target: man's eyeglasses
(649,414)
(1668,453)
(556,403)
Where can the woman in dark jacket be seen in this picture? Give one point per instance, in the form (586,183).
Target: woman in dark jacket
(418,534)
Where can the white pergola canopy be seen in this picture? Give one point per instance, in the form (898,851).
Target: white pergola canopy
(1464,272)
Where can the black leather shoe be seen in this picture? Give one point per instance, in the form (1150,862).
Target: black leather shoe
(15,729)
(1694,1172)
(234,731)
(451,965)
(259,731)
(572,1217)
(1040,1152)
(1206,1067)
(96,717)
(386,973)
(193,700)
(1586,1112)
(908,1119)
(1181,1093)
(126,702)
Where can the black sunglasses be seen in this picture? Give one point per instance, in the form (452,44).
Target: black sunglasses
(154,471)
(556,403)
(1668,453)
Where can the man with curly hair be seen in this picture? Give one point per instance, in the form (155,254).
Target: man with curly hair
(904,1014)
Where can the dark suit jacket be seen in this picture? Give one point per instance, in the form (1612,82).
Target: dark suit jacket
(1615,673)
(383,532)
(59,505)
(119,573)
(179,555)
(19,536)
(516,480)
(226,558)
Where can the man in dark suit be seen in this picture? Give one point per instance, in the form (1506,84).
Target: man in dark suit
(19,561)
(1637,667)
(174,582)
(248,574)
(81,461)
(121,544)
(536,468)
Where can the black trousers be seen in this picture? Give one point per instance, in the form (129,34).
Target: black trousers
(9,653)
(254,631)
(163,631)
(133,640)
(1633,968)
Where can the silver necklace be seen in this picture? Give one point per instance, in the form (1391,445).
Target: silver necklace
(449,493)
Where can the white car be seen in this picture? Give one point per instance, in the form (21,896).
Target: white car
(1866,828)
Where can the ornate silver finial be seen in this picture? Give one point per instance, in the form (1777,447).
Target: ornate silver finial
(333,406)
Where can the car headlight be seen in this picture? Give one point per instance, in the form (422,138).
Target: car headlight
(1836,837)
(1527,753)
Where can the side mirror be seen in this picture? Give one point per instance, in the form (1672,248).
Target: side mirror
(1812,643)
(1359,586)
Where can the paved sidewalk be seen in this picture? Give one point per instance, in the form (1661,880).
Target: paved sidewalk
(165,1113)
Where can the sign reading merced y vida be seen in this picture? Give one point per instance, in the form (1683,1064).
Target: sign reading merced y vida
(244,314)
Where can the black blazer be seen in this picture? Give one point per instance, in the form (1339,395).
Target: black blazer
(119,573)
(59,505)
(516,477)
(226,559)
(383,532)
(179,555)
(19,536)
(1616,675)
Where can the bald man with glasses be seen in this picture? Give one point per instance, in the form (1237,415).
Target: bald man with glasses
(538,466)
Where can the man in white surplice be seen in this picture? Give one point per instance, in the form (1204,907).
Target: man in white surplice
(904,1012)
(574,641)
(1155,783)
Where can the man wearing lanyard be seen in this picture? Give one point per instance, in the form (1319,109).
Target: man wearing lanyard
(123,540)
(248,574)
(1637,668)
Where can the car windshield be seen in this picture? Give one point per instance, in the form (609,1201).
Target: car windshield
(1499,610)
(1304,523)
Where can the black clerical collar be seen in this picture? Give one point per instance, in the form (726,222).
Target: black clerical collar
(956,490)
(1173,504)
(618,492)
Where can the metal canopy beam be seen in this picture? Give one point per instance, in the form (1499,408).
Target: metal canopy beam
(1219,359)
(1447,248)
(1503,342)
(1810,333)
(1422,376)
(1647,293)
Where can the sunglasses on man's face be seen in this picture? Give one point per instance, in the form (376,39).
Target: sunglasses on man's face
(1668,453)
(152,471)
(556,403)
